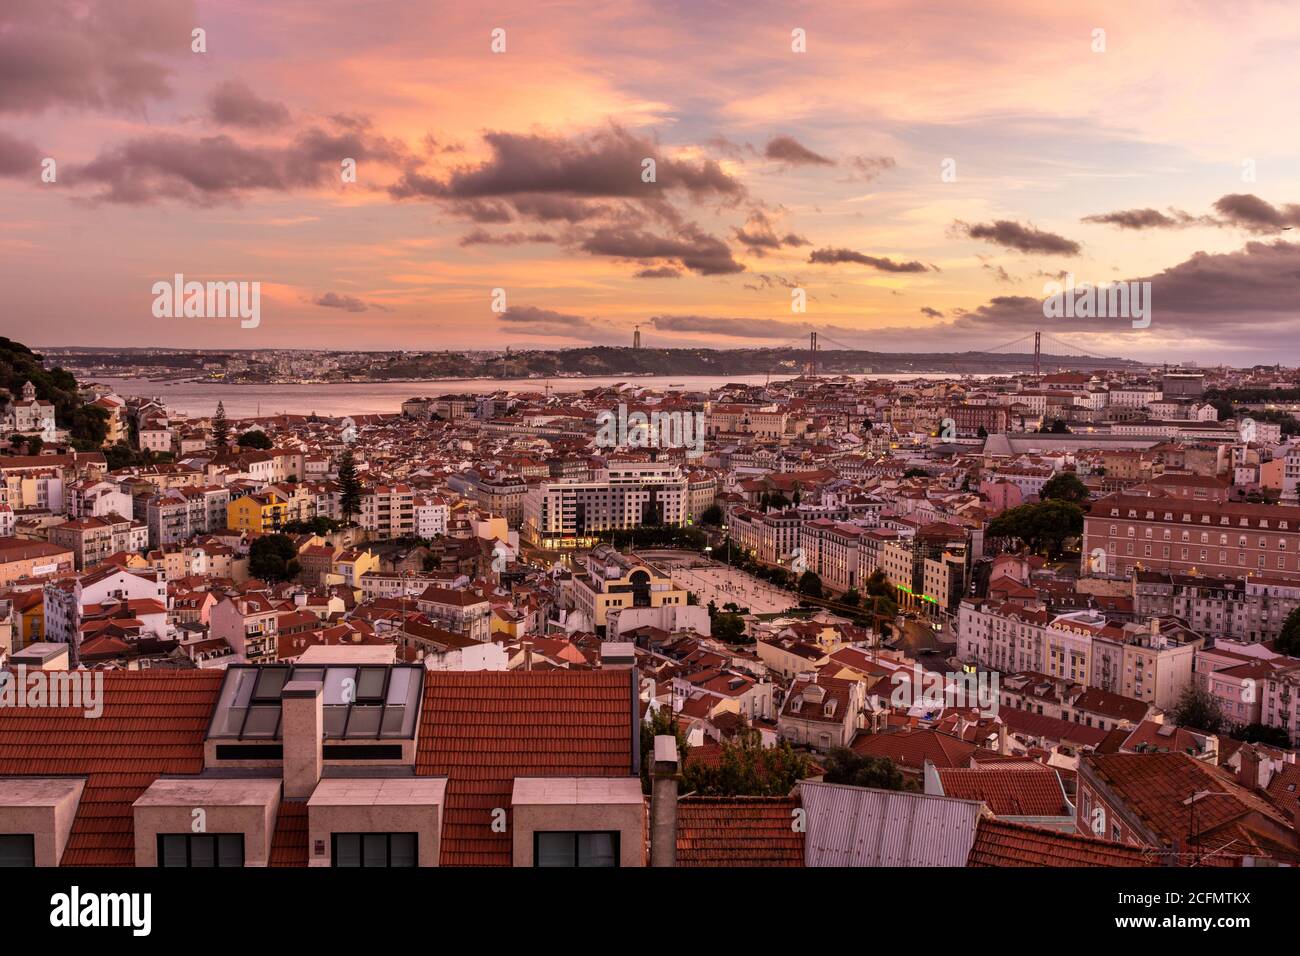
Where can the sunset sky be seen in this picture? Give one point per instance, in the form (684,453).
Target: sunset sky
(1172,155)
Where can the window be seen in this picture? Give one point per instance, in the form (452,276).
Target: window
(17,849)
(570,848)
(200,849)
(375,849)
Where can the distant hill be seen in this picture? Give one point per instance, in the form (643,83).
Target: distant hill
(19,364)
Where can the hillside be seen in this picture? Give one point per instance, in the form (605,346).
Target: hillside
(19,364)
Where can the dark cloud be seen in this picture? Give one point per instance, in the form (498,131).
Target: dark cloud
(18,157)
(1146,219)
(481,237)
(759,235)
(1022,238)
(788,150)
(771,330)
(867,168)
(234,103)
(208,170)
(932,313)
(1255,215)
(603,164)
(662,272)
(1235,211)
(691,248)
(333,300)
(1230,298)
(763,281)
(96,54)
(531,320)
(833,256)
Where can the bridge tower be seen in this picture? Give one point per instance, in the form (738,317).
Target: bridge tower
(1038,351)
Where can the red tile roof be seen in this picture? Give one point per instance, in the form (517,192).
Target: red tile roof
(738,831)
(1001,843)
(1230,820)
(483,729)
(289,841)
(913,748)
(153,723)
(1011,792)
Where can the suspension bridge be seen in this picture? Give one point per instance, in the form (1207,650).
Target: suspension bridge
(1037,350)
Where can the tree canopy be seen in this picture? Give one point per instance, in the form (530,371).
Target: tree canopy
(1044,526)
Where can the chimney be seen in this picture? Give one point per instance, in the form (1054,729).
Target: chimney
(1155,627)
(302,724)
(663,803)
(1248,768)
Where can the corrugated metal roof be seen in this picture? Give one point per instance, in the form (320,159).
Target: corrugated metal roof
(857,826)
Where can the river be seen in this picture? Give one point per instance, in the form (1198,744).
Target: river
(200,399)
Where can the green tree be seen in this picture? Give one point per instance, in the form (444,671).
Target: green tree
(851,597)
(860,770)
(810,583)
(273,557)
(220,427)
(1258,733)
(1064,486)
(349,486)
(1288,641)
(746,768)
(712,516)
(1198,710)
(1044,526)
(34,444)
(254,438)
(916,473)
(661,724)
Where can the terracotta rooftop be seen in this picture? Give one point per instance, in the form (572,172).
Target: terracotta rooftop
(483,729)
(1009,792)
(738,831)
(1001,843)
(152,724)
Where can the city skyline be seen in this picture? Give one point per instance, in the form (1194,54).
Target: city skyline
(921,176)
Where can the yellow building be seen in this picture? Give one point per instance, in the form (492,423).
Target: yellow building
(257,512)
(615,582)
(351,564)
(28,618)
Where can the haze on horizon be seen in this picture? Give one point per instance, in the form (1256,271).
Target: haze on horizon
(920,171)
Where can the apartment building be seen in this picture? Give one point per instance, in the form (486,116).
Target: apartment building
(1250,608)
(21,559)
(177,514)
(770,537)
(68,600)
(1183,536)
(249,623)
(624,495)
(467,613)
(388,511)
(91,540)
